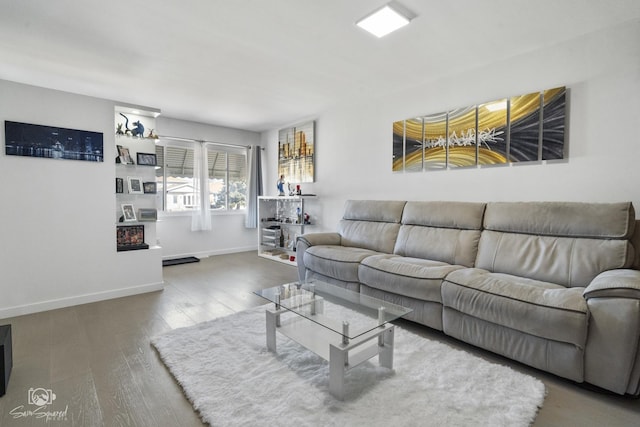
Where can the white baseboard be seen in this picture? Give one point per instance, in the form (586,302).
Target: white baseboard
(77,300)
(206,254)
(116,293)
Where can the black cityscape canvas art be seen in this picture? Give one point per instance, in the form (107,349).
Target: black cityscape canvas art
(24,139)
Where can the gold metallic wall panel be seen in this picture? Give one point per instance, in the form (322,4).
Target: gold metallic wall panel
(521,128)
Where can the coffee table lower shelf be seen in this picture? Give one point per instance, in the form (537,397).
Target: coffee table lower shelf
(341,353)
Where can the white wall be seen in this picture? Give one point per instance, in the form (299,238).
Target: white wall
(228,232)
(57,227)
(602,73)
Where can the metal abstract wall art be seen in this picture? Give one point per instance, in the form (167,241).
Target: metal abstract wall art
(518,129)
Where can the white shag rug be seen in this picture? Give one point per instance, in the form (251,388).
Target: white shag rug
(231,379)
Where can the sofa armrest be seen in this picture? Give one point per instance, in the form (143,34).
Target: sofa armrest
(621,283)
(313,239)
(612,360)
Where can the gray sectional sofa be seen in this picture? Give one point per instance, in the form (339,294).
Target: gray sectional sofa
(553,285)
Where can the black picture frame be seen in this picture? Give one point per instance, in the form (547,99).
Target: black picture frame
(146,159)
(130,238)
(150,187)
(124,157)
(119,185)
(50,142)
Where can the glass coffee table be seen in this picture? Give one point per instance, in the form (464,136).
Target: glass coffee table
(320,323)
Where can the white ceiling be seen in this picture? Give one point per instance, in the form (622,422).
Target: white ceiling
(262,64)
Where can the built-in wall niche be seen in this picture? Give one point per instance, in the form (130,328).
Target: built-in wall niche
(517,129)
(136,186)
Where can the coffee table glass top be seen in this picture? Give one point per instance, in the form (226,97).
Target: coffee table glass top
(303,299)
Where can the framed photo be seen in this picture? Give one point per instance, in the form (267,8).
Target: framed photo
(147,214)
(296,146)
(119,185)
(130,237)
(146,159)
(150,187)
(135,185)
(52,142)
(124,156)
(128,213)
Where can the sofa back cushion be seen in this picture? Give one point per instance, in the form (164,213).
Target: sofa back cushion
(371,224)
(441,231)
(560,242)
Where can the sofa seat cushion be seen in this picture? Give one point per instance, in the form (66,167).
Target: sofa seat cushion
(337,262)
(412,277)
(542,309)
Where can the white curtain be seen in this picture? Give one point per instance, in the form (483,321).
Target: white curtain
(201,217)
(255,186)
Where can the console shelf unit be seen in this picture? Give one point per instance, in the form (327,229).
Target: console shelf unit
(282,220)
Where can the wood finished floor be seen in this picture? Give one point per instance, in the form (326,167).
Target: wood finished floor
(98,361)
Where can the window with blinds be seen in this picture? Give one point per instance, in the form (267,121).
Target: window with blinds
(227,170)
(226,178)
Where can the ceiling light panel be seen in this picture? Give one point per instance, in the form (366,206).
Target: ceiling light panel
(385,20)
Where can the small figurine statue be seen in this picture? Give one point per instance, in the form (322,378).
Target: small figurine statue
(152,135)
(126,130)
(138,129)
(280,185)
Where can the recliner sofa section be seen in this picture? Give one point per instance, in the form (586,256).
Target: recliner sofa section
(435,239)
(549,284)
(367,228)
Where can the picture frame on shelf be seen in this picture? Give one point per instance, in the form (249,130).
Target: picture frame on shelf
(150,187)
(119,185)
(128,212)
(130,237)
(124,156)
(135,185)
(146,159)
(147,214)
